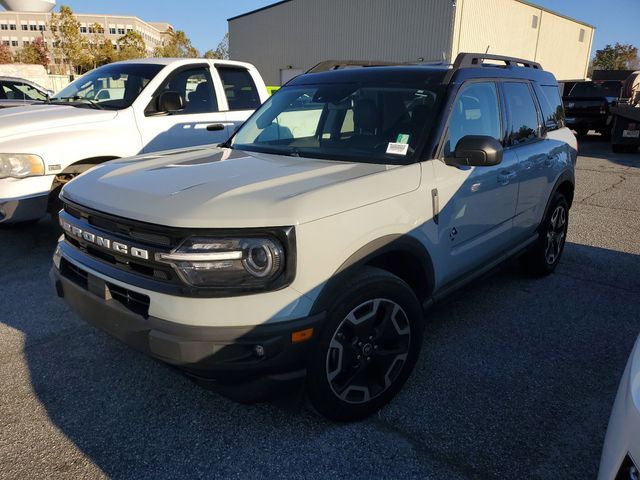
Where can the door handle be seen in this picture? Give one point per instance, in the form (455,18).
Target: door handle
(215,127)
(506,176)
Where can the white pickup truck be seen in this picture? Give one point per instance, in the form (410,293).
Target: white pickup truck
(118,110)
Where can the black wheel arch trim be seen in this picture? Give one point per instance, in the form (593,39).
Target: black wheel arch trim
(365,255)
(565,177)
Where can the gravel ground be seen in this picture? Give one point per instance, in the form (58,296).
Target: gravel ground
(516,379)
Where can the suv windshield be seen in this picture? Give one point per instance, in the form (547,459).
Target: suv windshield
(599,89)
(360,122)
(112,87)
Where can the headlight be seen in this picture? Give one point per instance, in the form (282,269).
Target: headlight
(235,263)
(20,166)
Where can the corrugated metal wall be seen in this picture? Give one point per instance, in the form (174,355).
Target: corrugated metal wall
(300,33)
(510,27)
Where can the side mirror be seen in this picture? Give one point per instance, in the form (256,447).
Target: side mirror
(170,102)
(476,151)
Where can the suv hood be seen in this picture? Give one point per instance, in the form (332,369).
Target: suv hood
(223,188)
(24,121)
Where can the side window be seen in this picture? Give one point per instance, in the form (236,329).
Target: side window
(551,105)
(239,88)
(476,112)
(523,115)
(196,88)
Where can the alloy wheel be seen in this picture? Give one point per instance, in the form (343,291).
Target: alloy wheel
(368,351)
(556,234)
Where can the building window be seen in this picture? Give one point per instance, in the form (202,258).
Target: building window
(33,28)
(112,31)
(25,27)
(83,29)
(14,43)
(4,26)
(26,42)
(12,26)
(6,42)
(121,31)
(42,28)
(581,37)
(534,22)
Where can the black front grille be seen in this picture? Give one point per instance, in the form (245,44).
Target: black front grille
(130,234)
(134,301)
(75,274)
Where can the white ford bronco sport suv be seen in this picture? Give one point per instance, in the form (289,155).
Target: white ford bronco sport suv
(116,111)
(308,246)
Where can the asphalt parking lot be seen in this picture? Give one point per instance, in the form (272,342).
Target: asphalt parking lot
(516,378)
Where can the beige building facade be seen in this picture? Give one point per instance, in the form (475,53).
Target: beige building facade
(17,29)
(289,37)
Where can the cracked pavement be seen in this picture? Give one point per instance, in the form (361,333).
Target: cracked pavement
(516,378)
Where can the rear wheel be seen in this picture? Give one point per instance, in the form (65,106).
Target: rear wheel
(544,256)
(367,348)
(617,148)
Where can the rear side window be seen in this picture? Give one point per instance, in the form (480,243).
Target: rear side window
(551,105)
(523,115)
(239,88)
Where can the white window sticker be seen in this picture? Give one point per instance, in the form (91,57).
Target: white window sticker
(397,148)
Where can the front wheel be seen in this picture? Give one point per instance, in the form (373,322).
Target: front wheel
(544,256)
(367,348)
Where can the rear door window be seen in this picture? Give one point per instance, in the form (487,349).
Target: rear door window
(239,88)
(552,108)
(523,115)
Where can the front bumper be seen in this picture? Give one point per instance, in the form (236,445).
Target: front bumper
(248,363)
(23,209)
(621,452)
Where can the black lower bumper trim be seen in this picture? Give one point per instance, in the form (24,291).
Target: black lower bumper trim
(257,355)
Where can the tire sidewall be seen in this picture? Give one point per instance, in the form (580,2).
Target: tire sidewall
(369,284)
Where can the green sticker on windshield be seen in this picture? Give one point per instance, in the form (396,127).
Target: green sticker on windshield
(403,138)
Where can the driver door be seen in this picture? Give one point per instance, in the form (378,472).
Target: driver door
(200,122)
(477,204)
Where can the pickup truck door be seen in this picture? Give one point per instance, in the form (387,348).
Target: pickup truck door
(202,121)
(476,204)
(242,91)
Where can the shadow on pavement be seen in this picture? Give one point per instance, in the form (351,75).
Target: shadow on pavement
(516,379)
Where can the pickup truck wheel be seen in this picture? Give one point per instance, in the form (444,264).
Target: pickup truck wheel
(544,256)
(367,348)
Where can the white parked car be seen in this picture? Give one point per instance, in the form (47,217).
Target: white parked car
(119,110)
(621,453)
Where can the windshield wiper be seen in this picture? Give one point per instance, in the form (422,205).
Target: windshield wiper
(76,98)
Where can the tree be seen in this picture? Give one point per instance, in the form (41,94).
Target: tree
(67,39)
(34,53)
(131,45)
(100,49)
(5,54)
(178,46)
(617,57)
(221,52)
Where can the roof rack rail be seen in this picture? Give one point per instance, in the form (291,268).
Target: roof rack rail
(476,60)
(328,65)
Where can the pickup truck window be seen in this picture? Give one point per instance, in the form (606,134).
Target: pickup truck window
(114,87)
(359,122)
(239,88)
(196,88)
(20,91)
(596,89)
(523,114)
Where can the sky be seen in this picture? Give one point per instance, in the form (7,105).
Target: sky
(205,21)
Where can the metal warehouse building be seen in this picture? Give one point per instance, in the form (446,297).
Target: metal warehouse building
(288,37)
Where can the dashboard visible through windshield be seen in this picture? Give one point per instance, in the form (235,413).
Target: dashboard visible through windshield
(373,123)
(112,87)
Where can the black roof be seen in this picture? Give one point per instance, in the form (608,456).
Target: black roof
(412,74)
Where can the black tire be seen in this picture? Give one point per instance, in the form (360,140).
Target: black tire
(616,148)
(582,132)
(606,134)
(543,258)
(357,367)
